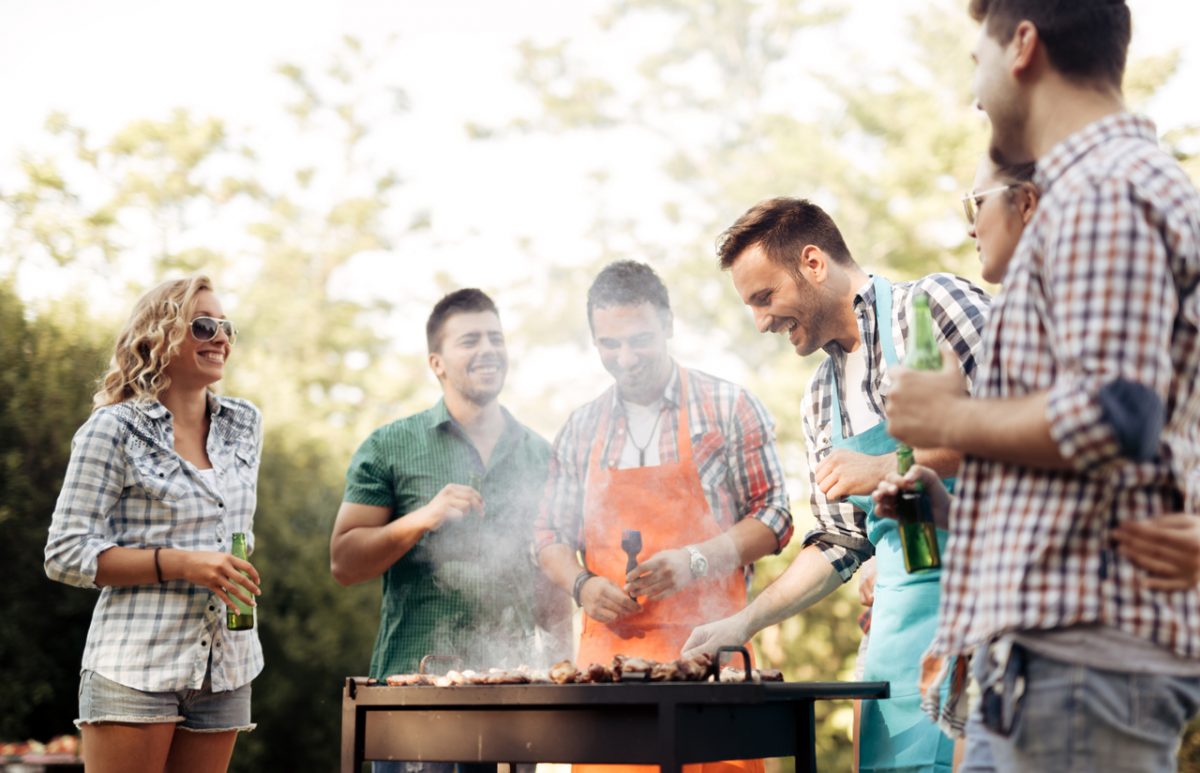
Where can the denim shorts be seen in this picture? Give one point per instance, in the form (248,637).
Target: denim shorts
(201,711)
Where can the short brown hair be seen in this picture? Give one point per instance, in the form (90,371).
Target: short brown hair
(465,301)
(628,283)
(1086,40)
(784,227)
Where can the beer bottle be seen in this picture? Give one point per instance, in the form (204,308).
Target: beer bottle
(918,534)
(241,616)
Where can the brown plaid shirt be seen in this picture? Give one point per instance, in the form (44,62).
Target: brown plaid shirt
(1100,308)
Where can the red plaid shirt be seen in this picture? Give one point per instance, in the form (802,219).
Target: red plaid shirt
(1101,292)
(733,446)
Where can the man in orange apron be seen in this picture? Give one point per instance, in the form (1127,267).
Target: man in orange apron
(684,458)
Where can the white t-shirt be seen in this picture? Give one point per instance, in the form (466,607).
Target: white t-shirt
(645,425)
(857,409)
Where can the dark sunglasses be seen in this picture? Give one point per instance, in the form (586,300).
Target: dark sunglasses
(205,328)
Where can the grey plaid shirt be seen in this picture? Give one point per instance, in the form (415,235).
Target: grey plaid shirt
(959,311)
(125,486)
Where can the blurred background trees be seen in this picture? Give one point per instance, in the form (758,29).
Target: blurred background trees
(710,107)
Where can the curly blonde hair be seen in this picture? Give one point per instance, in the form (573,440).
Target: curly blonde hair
(150,338)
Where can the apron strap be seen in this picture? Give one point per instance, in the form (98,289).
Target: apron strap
(883,327)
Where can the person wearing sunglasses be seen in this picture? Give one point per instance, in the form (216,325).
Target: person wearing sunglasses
(160,477)
(1166,547)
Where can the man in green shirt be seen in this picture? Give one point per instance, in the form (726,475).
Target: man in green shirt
(441,505)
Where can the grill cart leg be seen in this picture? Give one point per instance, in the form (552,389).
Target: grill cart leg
(806,738)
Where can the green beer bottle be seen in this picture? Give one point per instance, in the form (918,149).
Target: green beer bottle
(918,535)
(241,616)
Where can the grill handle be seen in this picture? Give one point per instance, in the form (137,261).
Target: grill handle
(734,650)
(451,661)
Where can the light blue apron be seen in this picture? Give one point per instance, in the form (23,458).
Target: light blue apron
(895,734)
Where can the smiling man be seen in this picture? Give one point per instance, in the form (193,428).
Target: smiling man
(685,458)
(441,504)
(791,266)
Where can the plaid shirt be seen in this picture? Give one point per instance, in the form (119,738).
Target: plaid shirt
(126,487)
(1101,293)
(733,446)
(959,311)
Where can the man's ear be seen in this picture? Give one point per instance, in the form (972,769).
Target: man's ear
(1024,47)
(436,365)
(814,264)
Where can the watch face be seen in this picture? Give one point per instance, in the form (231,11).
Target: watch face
(699,564)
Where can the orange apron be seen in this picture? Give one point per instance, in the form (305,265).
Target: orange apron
(667,505)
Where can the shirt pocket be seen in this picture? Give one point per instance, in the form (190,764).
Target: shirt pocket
(157,476)
(245,465)
(709,456)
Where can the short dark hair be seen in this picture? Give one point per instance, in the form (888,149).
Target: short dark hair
(464,301)
(784,227)
(627,283)
(1086,40)
(1016,173)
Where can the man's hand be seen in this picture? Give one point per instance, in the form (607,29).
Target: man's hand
(452,503)
(1166,546)
(660,575)
(866,582)
(844,473)
(604,602)
(727,632)
(888,491)
(919,400)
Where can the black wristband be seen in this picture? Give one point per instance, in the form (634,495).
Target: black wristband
(583,577)
(157,566)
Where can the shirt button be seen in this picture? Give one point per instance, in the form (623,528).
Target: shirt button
(220,504)
(218,645)
(203,643)
(211,608)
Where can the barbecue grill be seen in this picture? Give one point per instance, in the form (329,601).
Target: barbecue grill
(662,723)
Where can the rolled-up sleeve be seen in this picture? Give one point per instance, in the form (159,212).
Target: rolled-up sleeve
(560,516)
(758,479)
(1113,323)
(840,531)
(92,486)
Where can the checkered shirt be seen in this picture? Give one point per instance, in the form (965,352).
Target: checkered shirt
(959,311)
(125,486)
(733,446)
(1102,290)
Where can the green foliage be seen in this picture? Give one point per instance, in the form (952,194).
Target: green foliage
(46,385)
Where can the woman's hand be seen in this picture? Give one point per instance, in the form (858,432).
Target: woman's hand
(888,492)
(1166,546)
(221,573)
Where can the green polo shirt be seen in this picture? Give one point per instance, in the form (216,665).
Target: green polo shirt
(465,590)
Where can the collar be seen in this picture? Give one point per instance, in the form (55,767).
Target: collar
(440,418)
(1052,166)
(670,394)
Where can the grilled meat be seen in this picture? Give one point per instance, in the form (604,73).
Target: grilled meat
(564,672)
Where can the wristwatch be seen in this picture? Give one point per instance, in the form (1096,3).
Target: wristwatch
(698,563)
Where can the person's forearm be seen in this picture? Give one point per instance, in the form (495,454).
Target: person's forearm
(365,552)
(747,541)
(807,580)
(1013,430)
(943,461)
(122,567)
(559,563)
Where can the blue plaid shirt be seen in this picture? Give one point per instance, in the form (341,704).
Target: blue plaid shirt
(125,486)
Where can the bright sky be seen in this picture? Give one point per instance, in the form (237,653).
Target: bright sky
(107,63)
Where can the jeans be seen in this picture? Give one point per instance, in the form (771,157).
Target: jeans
(202,711)
(1074,718)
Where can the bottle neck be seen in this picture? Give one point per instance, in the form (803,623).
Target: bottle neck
(922,351)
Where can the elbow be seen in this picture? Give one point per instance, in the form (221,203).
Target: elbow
(340,574)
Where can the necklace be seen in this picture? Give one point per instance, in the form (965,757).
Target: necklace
(641,449)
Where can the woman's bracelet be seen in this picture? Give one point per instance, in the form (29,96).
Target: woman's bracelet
(583,577)
(157,566)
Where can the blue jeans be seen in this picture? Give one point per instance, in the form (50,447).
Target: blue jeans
(1074,718)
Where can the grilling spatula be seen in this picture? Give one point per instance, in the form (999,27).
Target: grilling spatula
(631,543)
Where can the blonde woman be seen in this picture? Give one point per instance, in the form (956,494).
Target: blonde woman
(160,476)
